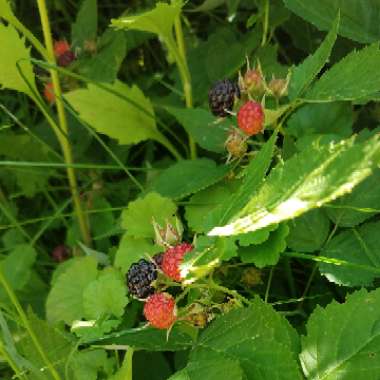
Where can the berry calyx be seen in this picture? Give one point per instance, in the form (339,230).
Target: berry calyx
(172,260)
(160,310)
(140,277)
(221,97)
(251,118)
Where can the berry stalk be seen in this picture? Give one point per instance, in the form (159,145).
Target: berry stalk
(62,130)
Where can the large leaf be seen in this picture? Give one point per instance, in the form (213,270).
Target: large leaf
(200,124)
(253,177)
(65,300)
(151,339)
(17,266)
(105,296)
(306,181)
(187,177)
(312,65)
(343,340)
(357,246)
(85,26)
(57,348)
(159,20)
(360,18)
(128,118)
(15,58)
(309,231)
(354,77)
(133,249)
(137,218)
(268,252)
(358,206)
(256,339)
(105,64)
(326,118)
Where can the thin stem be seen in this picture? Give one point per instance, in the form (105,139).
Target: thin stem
(25,321)
(185,75)
(269,284)
(266,22)
(62,132)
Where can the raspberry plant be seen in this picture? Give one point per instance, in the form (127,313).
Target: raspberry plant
(192,185)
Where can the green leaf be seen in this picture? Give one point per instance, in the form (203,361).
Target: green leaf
(343,340)
(199,210)
(352,78)
(268,252)
(57,348)
(253,177)
(188,176)
(105,64)
(15,57)
(159,20)
(211,365)
(6,10)
(309,231)
(256,338)
(330,118)
(86,24)
(127,117)
(307,180)
(358,206)
(105,296)
(359,18)
(17,266)
(137,218)
(303,74)
(87,364)
(200,124)
(357,246)
(256,237)
(133,249)
(65,300)
(151,339)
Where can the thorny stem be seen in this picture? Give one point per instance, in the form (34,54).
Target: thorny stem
(62,130)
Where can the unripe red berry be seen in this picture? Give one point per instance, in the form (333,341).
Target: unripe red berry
(61,47)
(60,253)
(160,310)
(254,82)
(251,118)
(49,92)
(172,260)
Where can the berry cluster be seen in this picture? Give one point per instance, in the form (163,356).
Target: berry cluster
(247,97)
(160,308)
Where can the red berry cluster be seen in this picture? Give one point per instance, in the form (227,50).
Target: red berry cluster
(160,308)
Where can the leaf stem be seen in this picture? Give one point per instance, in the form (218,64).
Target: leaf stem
(185,75)
(62,131)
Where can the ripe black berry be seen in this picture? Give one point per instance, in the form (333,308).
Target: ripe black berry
(140,277)
(221,97)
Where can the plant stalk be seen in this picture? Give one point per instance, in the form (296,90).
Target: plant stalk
(185,75)
(27,326)
(62,132)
